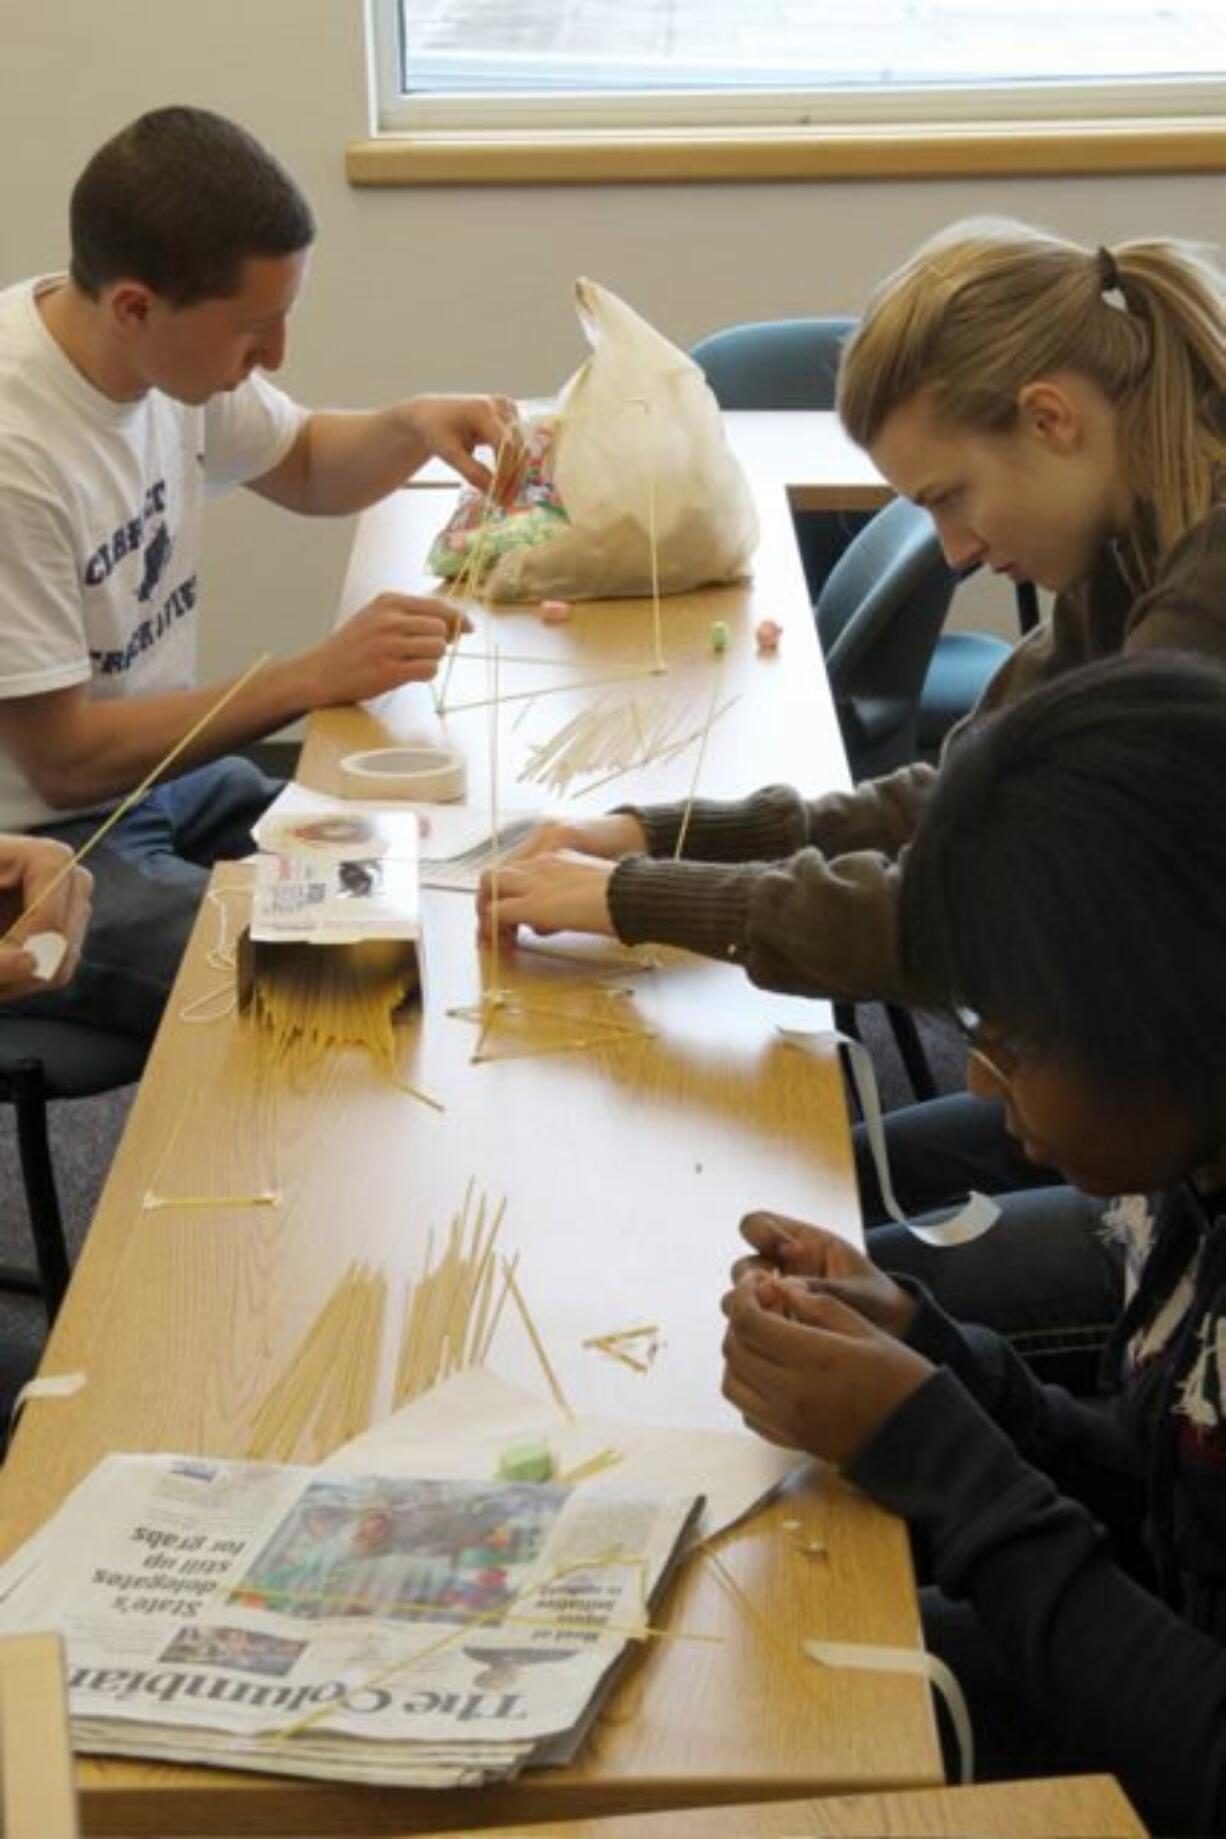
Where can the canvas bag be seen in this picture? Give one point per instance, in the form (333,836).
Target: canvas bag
(636,441)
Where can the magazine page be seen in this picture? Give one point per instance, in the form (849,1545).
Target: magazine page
(330,874)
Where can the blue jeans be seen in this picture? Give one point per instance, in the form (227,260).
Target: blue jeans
(150,876)
(1043,1276)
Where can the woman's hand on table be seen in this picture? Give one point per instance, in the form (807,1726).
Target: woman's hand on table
(810,1373)
(557,879)
(823,1264)
(612,836)
(560,891)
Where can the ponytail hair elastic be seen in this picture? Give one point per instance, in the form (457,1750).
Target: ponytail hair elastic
(1108,273)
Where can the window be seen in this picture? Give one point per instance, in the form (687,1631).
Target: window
(589,64)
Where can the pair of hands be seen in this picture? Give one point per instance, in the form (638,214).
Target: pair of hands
(813,1355)
(558,878)
(28,866)
(402,638)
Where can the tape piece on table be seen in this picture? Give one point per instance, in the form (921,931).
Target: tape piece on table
(869,1658)
(977,1216)
(429,775)
(47,950)
(47,1385)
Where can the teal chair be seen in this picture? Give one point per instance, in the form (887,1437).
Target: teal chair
(786,364)
(879,618)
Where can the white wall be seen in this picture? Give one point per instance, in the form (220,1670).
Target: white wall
(455,288)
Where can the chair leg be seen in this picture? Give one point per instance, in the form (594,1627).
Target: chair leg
(846,1022)
(845,1019)
(30,1103)
(911,1050)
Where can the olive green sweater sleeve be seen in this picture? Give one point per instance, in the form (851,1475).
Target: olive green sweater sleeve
(803,892)
(800,892)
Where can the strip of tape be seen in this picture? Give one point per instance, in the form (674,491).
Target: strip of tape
(47,950)
(429,775)
(971,1221)
(872,1659)
(47,1385)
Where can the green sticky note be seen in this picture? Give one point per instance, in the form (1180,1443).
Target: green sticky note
(528,1461)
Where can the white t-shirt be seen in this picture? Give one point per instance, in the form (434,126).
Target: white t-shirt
(100,516)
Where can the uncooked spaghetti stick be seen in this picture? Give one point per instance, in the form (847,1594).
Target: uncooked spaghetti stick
(478,1318)
(345,1352)
(553,689)
(363,1397)
(415,1306)
(125,805)
(618,1353)
(702,754)
(517,1297)
(508,1273)
(476,1340)
(594,1465)
(658,664)
(494,838)
(295,1398)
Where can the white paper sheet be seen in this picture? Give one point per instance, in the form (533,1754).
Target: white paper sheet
(461,1428)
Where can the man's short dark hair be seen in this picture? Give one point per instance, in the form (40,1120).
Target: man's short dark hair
(180,199)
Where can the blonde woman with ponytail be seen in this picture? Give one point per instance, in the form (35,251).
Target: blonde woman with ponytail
(1089,386)
(1061,412)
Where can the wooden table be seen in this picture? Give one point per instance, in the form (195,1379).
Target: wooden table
(1068,1807)
(626,1169)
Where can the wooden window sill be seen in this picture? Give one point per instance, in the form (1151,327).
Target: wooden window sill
(752,155)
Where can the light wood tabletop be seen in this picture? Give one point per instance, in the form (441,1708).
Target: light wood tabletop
(1067,1807)
(625,1168)
(36,1772)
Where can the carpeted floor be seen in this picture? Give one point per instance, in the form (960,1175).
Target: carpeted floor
(86,1132)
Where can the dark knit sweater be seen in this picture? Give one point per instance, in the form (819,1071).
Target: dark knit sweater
(803,892)
(1133,1681)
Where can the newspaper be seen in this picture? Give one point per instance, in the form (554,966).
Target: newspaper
(404,1631)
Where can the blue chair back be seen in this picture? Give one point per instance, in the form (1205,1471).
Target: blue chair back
(879,617)
(786,364)
(774,363)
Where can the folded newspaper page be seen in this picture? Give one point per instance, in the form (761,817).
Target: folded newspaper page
(430,1633)
(461,1426)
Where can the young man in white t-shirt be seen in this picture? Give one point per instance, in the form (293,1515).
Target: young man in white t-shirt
(129,390)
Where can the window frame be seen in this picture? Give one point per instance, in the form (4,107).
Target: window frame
(973,106)
(1109,134)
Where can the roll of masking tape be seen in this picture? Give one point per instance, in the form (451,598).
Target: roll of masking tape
(428,775)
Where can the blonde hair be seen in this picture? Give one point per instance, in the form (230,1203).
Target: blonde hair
(989,305)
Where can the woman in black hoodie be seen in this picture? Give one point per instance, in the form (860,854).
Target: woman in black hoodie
(1066,898)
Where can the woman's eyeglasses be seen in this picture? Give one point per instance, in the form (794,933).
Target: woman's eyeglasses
(996,1057)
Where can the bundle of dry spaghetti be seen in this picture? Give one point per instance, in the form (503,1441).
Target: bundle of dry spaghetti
(450,1314)
(614,735)
(328,1387)
(309,999)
